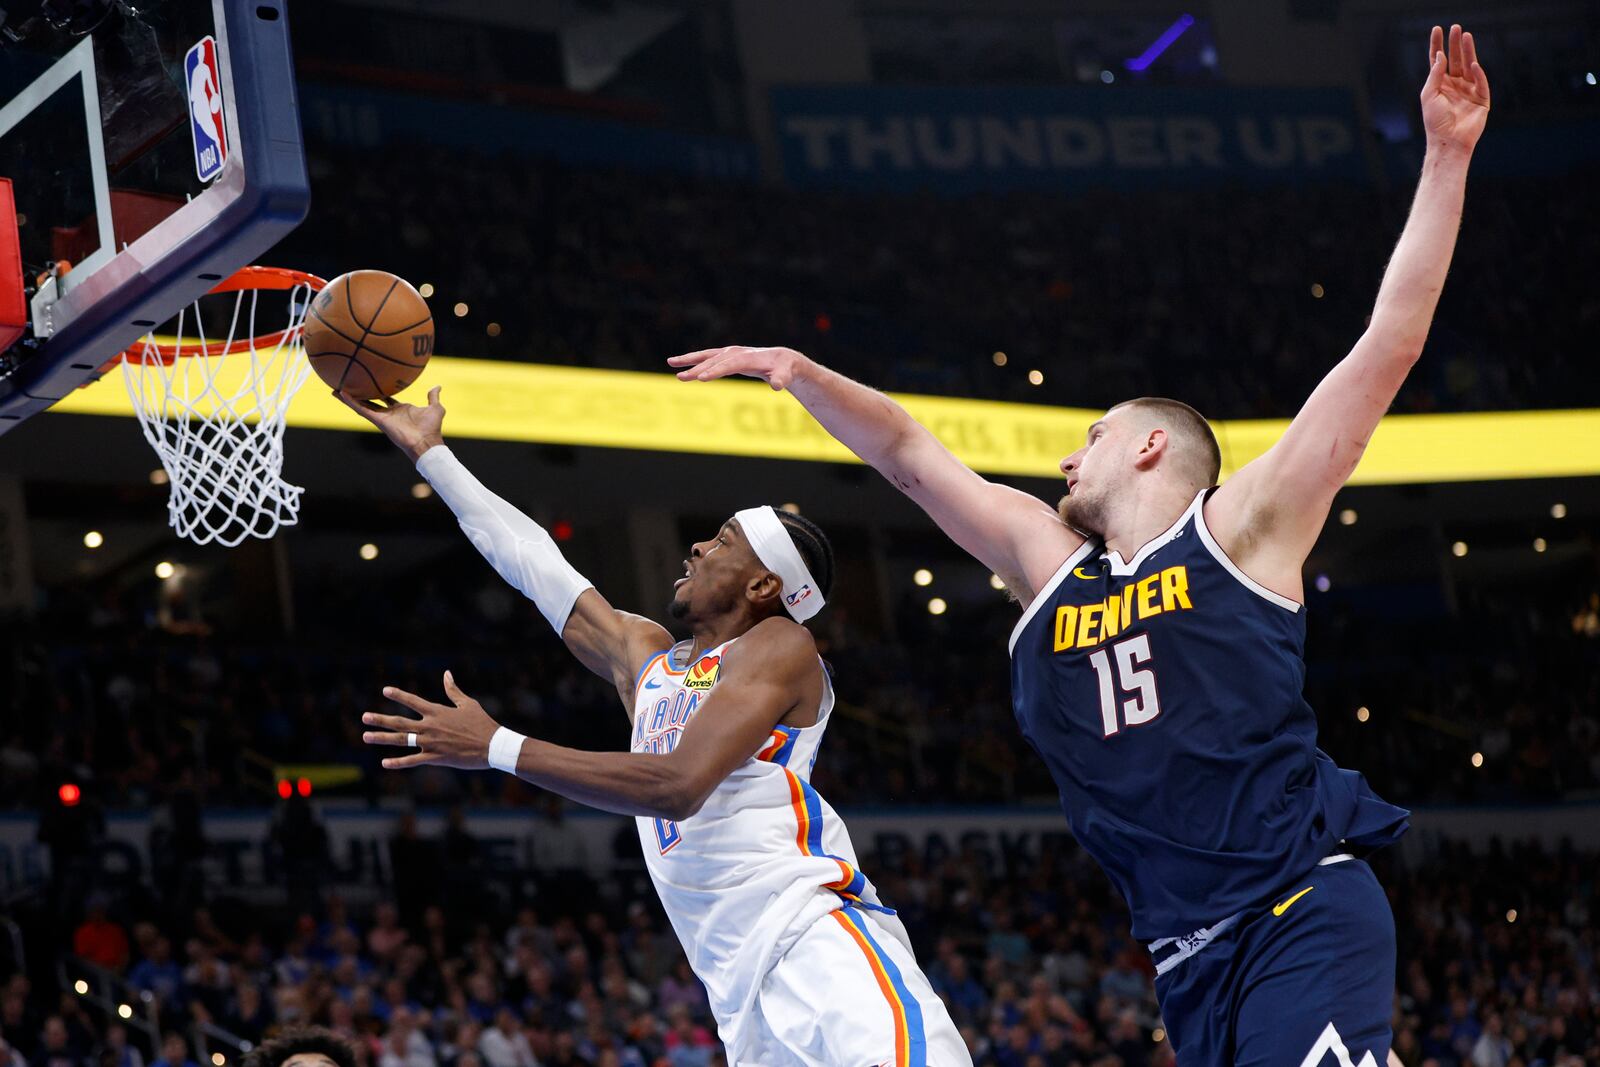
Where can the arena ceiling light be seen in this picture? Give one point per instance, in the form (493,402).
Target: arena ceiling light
(1160,44)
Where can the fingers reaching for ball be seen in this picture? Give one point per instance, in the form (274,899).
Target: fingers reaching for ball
(413,429)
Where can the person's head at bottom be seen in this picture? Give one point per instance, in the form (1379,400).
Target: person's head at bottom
(310,1046)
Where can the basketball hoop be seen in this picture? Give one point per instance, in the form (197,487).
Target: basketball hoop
(216,417)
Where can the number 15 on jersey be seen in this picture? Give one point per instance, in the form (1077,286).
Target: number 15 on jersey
(1128,691)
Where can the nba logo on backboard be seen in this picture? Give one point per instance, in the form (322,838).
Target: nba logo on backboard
(205,108)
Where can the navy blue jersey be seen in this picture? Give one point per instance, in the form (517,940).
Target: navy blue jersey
(1164,694)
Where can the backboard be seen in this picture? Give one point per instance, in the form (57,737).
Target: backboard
(153,147)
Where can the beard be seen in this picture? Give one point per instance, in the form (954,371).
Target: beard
(1085,512)
(678,609)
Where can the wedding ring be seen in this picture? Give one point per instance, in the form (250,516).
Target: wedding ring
(411,740)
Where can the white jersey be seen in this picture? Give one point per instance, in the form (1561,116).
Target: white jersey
(764,858)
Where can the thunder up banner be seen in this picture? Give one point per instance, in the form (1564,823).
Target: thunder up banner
(971,140)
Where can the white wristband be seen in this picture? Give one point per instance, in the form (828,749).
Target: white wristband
(505,748)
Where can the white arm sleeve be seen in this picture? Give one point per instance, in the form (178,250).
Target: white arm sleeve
(516,546)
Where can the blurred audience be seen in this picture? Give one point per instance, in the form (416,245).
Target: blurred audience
(144,717)
(1498,968)
(1236,300)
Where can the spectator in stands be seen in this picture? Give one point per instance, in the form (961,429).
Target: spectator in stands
(174,1052)
(118,1051)
(250,1015)
(504,1044)
(18,1021)
(387,936)
(688,1044)
(56,1047)
(405,1045)
(99,940)
(207,985)
(1493,1048)
(158,974)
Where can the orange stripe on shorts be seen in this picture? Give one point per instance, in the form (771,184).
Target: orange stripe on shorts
(902,1038)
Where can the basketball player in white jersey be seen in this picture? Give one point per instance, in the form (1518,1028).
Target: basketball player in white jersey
(803,963)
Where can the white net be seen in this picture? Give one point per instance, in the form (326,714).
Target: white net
(216,417)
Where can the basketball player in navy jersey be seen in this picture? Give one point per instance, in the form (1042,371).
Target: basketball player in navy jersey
(1158,665)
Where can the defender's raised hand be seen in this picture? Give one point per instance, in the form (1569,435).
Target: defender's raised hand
(1455,99)
(447,736)
(775,366)
(413,429)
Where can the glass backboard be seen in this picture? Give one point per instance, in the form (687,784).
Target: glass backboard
(153,147)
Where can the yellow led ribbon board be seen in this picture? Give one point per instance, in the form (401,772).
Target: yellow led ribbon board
(505,401)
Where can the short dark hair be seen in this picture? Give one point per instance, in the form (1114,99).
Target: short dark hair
(813,546)
(1192,427)
(296,1041)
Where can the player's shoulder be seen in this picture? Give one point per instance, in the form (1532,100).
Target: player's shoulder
(772,641)
(644,632)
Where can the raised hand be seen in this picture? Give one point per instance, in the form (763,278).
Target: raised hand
(775,366)
(413,429)
(447,736)
(1455,98)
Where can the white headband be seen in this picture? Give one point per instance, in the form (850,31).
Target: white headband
(773,546)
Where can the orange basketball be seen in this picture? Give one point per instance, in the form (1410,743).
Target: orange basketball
(369,334)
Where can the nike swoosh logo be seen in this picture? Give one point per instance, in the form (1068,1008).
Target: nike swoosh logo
(654,683)
(1279,909)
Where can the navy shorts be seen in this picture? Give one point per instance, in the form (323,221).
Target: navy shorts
(1303,980)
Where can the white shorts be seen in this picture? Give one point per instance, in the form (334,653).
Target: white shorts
(849,993)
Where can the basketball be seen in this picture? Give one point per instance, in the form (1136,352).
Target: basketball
(369,334)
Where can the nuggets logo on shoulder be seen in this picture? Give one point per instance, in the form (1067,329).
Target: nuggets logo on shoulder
(703,675)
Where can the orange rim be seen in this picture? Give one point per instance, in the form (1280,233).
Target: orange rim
(260,278)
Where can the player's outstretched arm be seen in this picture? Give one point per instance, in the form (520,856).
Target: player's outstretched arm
(765,676)
(613,644)
(1268,516)
(1016,535)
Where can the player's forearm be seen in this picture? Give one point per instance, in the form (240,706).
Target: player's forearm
(1415,277)
(864,420)
(518,548)
(627,783)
